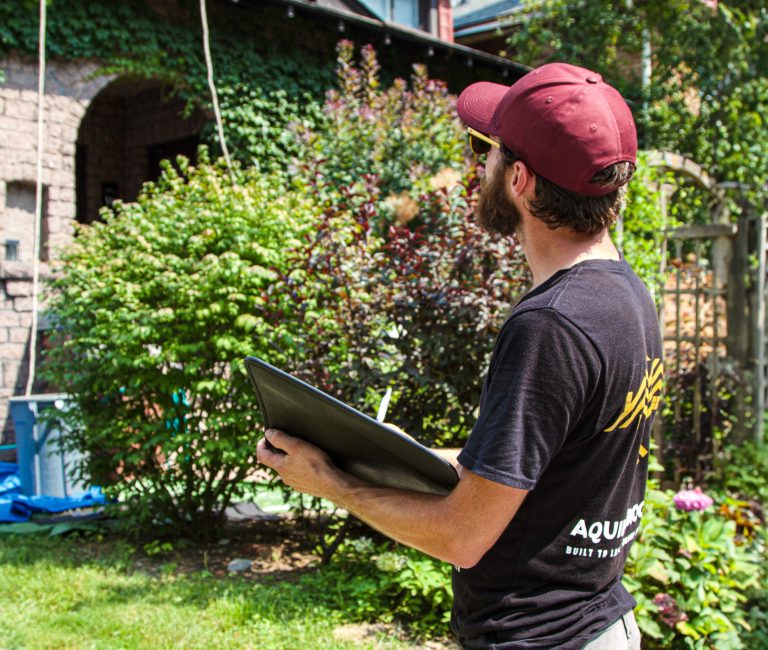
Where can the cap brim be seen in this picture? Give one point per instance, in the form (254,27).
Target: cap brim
(477,104)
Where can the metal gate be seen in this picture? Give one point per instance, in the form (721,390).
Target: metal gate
(694,321)
(712,315)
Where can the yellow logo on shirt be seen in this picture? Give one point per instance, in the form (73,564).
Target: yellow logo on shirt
(643,402)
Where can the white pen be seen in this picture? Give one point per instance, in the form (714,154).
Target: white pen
(384,405)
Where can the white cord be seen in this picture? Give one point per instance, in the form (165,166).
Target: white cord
(212,86)
(38,197)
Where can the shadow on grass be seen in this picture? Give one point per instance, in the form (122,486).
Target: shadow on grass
(123,576)
(72,551)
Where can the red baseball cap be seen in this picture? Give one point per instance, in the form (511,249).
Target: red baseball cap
(563,121)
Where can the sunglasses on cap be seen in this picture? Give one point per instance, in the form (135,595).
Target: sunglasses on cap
(480,143)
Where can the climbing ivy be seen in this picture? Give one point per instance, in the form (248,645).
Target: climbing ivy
(264,87)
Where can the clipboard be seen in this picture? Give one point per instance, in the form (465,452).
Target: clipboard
(356,443)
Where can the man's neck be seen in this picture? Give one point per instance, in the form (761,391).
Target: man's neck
(549,251)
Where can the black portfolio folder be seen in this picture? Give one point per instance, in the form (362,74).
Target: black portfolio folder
(356,443)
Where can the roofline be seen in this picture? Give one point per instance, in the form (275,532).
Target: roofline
(477,29)
(402,32)
(471,18)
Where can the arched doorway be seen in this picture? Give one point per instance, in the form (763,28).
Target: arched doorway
(130,126)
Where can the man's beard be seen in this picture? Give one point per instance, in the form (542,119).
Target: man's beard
(495,212)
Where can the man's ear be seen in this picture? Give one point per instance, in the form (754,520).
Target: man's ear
(520,179)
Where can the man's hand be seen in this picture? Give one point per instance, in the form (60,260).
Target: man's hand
(301,465)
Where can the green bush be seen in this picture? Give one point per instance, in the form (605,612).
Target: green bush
(757,615)
(155,309)
(393,583)
(743,472)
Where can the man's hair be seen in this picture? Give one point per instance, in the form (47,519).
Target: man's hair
(558,207)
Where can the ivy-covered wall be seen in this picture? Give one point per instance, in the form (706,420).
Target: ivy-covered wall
(272,69)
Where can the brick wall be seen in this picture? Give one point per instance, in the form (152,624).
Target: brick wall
(69,89)
(114,124)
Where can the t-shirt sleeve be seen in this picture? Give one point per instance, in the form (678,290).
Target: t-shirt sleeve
(543,373)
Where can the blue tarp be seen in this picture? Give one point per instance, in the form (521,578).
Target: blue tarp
(17,507)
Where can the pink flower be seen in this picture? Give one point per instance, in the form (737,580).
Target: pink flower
(669,610)
(692,500)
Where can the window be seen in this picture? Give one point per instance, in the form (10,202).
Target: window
(12,250)
(405,12)
(17,222)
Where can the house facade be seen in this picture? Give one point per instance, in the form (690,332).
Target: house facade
(105,134)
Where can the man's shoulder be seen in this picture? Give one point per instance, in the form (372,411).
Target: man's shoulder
(589,291)
(541,333)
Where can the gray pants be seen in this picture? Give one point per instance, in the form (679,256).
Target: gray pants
(622,635)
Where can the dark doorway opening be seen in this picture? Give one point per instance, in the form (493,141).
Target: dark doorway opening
(186,147)
(129,128)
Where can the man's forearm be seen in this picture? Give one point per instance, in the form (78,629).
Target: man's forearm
(411,518)
(458,527)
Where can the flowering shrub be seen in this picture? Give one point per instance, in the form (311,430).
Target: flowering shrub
(698,584)
(398,286)
(669,610)
(690,573)
(451,287)
(416,309)
(403,135)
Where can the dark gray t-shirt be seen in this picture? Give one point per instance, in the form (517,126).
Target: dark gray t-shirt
(566,413)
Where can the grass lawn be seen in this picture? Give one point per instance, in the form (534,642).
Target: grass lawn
(75,592)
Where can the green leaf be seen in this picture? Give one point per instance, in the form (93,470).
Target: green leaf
(657,572)
(687,629)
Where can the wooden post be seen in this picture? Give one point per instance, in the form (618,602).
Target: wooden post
(738,339)
(665,192)
(760,336)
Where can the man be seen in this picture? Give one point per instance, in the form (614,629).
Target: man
(553,475)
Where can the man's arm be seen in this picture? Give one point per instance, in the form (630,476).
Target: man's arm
(457,528)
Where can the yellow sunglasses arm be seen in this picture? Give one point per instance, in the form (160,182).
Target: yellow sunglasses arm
(482,136)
